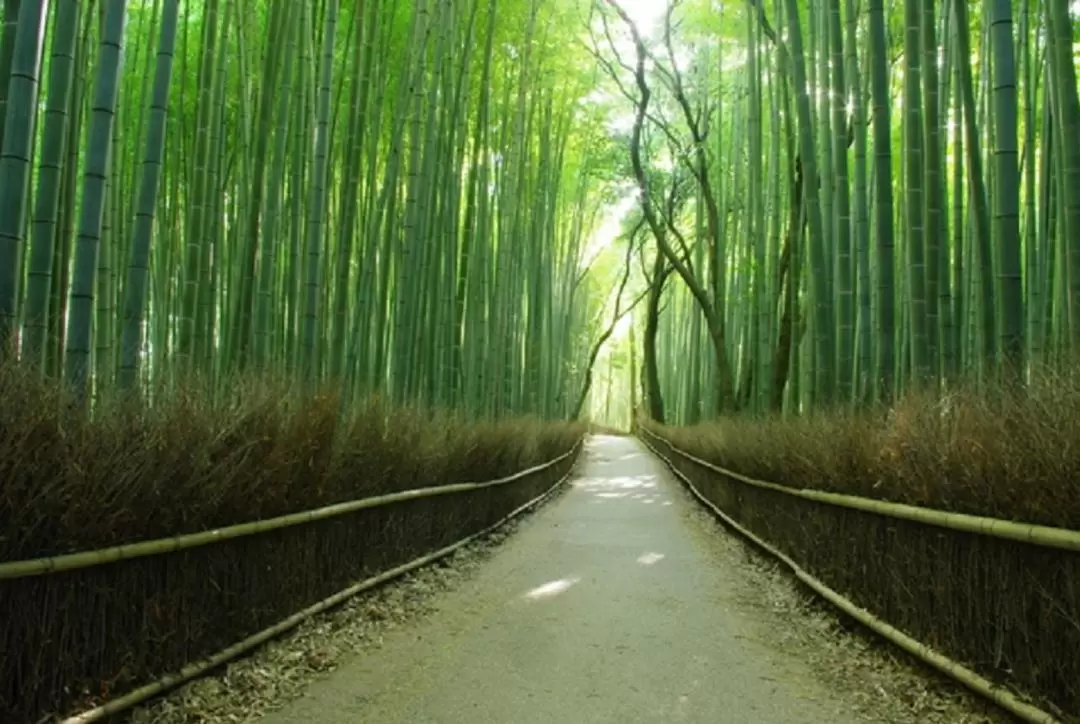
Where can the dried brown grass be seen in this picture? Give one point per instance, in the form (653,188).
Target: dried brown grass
(191,463)
(1007,456)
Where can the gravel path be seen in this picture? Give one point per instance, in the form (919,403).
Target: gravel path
(618,603)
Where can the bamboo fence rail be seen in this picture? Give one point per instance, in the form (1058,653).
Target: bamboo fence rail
(87,559)
(1039,535)
(198,668)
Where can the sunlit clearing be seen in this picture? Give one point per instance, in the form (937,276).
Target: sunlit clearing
(647,559)
(551,588)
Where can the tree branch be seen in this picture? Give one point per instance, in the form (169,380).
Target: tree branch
(618,315)
(659,232)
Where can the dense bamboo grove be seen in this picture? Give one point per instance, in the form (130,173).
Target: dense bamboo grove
(857,198)
(504,208)
(394,197)
(843,200)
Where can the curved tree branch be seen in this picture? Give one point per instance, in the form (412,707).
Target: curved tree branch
(615,318)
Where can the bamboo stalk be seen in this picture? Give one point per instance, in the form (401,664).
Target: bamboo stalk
(88,559)
(199,668)
(954,670)
(1039,535)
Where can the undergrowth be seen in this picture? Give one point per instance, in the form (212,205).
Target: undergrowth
(193,461)
(1007,456)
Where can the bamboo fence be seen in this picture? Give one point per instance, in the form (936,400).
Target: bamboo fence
(1004,698)
(1039,535)
(198,668)
(88,559)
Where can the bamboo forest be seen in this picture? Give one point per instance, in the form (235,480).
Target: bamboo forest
(298,297)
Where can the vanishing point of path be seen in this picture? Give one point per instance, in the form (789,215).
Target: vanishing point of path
(611,604)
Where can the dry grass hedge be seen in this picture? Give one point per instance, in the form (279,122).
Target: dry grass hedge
(187,464)
(1012,457)
(1010,611)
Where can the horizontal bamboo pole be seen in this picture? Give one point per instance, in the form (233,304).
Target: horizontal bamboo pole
(199,668)
(954,670)
(87,559)
(1039,535)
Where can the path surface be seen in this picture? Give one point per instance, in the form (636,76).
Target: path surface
(608,605)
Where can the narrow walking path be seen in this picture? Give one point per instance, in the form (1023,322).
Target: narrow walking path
(608,605)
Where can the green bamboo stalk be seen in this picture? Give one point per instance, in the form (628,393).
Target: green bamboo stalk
(16,153)
(139,266)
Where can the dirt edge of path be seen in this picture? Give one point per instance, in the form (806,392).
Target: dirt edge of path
(868,673)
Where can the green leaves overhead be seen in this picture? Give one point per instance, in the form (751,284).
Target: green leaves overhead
(397,195)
